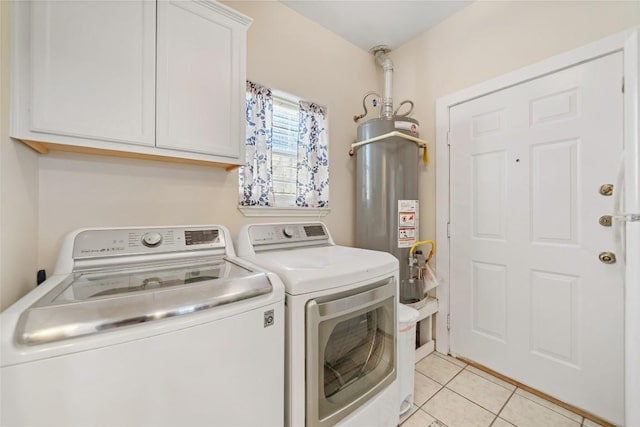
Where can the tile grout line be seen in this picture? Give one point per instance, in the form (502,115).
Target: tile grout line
(540,395)
(505,404)
(497,415)
(458,373)
(458,394)
(551,409)
(437,382)
(446,358)
(432,396)
(442,386)
(580,423)
(428,413)
(475,403)
(484,378)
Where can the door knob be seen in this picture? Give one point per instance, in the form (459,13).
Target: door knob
(605,220)
(606,189)
(607,257)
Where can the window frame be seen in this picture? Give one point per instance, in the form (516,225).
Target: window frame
(266,211)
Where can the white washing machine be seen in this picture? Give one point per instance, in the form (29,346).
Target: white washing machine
(159,326)
(341,324)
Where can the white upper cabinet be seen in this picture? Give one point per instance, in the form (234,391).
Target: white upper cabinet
(87,70)
(86,78)
(201,65)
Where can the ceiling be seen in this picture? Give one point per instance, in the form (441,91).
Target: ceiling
(367,23)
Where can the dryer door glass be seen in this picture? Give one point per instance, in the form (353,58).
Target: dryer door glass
(353,351)
(351,346)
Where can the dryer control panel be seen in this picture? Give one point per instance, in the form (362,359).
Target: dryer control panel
(289,234)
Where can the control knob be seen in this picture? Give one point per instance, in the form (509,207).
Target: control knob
(152,239)
(289,232)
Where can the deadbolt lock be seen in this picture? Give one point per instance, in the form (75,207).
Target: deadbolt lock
(605,220)
(606,189)
(607,257)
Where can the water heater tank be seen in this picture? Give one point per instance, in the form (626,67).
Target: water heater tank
(386,172)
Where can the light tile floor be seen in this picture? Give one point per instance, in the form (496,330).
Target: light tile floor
(451,393)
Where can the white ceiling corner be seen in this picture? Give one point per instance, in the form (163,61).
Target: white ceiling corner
(369,23)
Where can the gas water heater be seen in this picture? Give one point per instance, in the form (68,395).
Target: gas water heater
(387,165)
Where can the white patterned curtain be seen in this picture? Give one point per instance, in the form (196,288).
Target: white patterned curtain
(256,175)
(313,157)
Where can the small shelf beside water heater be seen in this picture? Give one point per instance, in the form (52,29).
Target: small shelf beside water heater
(427,309)
(416,292)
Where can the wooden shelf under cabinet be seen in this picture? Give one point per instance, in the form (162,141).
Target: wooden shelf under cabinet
(46,147)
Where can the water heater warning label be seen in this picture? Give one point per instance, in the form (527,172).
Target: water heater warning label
(407,223)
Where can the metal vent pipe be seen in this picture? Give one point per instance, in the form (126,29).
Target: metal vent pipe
(380,53)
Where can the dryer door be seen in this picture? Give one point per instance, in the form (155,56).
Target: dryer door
(350,349)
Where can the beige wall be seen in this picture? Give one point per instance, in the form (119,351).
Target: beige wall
(45,197)
(18,194)
(291,53)
(285,51)
(488,39)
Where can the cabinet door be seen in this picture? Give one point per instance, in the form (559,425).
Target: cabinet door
(92,68)
(201,78)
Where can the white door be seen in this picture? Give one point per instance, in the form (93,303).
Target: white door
(529,296)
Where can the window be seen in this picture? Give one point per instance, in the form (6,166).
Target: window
(286,161)
(284,155)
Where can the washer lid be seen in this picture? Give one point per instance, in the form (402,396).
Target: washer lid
(307,270)
(93,302)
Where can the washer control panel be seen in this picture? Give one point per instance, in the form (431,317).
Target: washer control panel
(140,241)
(265,234)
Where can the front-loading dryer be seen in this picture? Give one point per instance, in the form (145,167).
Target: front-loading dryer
(341,324)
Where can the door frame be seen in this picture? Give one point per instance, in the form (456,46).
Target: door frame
(628,42)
